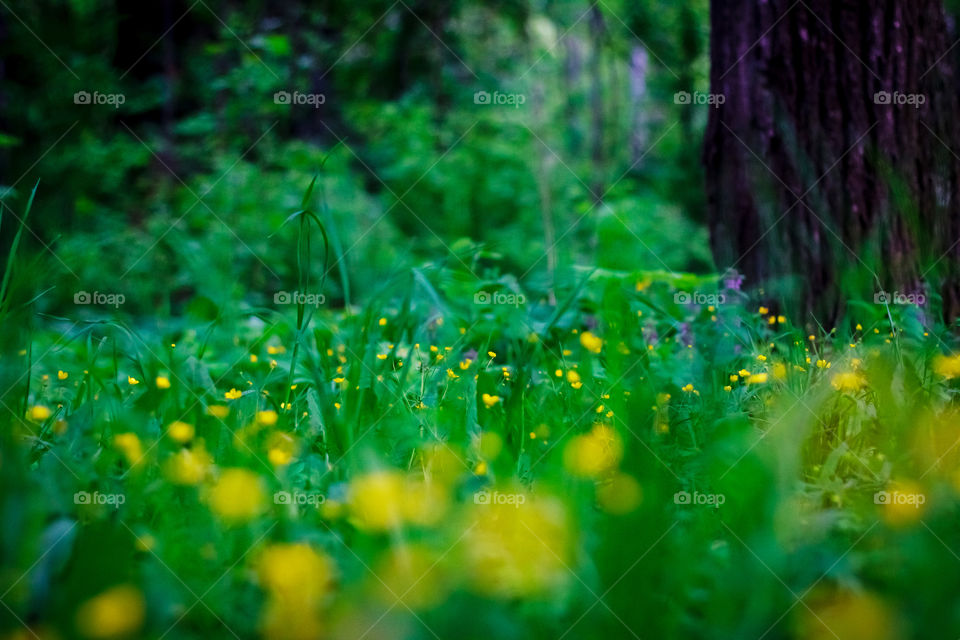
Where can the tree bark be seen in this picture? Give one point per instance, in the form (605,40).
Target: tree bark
(813,178)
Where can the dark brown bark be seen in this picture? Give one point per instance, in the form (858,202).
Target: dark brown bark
(811,181)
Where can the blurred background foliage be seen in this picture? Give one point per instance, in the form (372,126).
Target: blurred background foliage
(181,186)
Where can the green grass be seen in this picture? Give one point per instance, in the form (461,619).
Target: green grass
(385,421)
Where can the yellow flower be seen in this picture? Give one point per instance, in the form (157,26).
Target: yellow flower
(233,394)
(572,376)
(728,388)
(118,611)
(218,411)
(237,495)
(375,500)
(492,354)
(848,615)
(849,381)
(489,400)
(281,449)
(734,377)
(62,375)
(622,494)
(295,572)
(762,358)
(132,381)
(688,388)
(593,453)
(129,445)
(590,342)
(381,356)
(744,373)
(383,322)
(782,319)
(163,382)
(823,364)
(339,380)
(465,364)
(267,418)
(779,371)
(763,311)
(947,366)
(512,549)
(181,431)
(188,466)
(253,358)
(757,378)
(39,413)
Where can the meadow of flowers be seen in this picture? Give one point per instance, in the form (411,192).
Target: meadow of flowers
(627,463)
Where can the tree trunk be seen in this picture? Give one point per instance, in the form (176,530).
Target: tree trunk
(821,187)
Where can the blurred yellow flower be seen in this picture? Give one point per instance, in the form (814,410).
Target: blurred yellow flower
(237,495)
(39,413)
(779,371)
(849,381)
(129,445)
(281,449)
(757,378)
(375,500)
(62,375)
(593,453)
(182,432)
(267,418)
(620,495)
(218,411)
(163,382)
(590,342)
(517,545)
(847,616)
(295,572)
(296,579)
(947,366)
(131,380)
(118,611)
(233,394)
(188,466)
(489,400)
